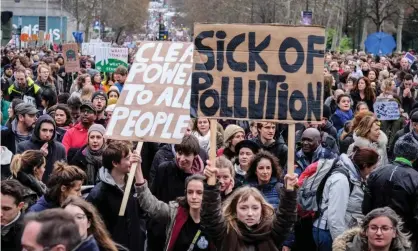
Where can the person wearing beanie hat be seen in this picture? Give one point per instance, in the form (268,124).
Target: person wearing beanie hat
(96,79)
(413,123)
(246,150)
(43,139)
(89,157)
(395,185)
(113,92)
(6,79)
(99,100)
(233,134)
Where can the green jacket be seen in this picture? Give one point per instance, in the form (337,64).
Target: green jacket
(4,110)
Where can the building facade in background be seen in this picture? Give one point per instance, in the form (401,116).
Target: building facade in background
(33,16)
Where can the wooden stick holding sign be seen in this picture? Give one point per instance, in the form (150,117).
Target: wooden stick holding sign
(291,153)
(212,152)
(128,187)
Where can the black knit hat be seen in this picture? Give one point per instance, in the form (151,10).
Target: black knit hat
(414,117)
(99,93)
(406,147)
(247,144)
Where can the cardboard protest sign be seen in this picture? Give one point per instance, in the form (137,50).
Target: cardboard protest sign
(258,72)
(108,59)
(386,110)
(155,101)
(71,58)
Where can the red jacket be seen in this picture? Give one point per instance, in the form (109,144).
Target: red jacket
(75,137)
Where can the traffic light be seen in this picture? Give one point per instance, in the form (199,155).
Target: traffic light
(6,27)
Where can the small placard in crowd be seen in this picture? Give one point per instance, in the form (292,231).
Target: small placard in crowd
(411,58)
(71,58)
(155,101)
(386,110)
(258,72)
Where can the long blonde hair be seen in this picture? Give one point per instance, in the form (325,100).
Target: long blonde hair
(241,195)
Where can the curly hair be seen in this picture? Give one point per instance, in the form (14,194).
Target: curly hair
(276,169)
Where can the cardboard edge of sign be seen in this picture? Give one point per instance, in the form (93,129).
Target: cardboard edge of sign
(266,24)
(287,122)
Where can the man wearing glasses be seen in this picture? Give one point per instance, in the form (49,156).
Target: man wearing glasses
(76,137)
(99,100)
(25,89)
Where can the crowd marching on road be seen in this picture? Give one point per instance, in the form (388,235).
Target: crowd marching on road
(354,186)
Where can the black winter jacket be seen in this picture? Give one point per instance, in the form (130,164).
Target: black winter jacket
(396,186)
(56,150)
(167,153)
(11,241)
(278,148)
(127,230)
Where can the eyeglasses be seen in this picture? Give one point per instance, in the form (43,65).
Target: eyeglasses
(100,98)
(383,229)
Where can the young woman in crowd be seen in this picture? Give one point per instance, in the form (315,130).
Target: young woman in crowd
(343,112)
(82,80)
(90,225)
(96,80)
(108,82)
(45,79)
(48,99)
(201,130)
(331,101)
(342,195)
(264,174)
(182,217)
(113,93)
(247,221)
(368,134)
(225,176)
(246,150)
(11,111)
(65,180)
(363,91)
(63,120)
(233,135)
(89,157)
(382,229)
(28,168)
(361,107)
(348,138)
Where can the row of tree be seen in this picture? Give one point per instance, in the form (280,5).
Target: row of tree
(124,17)
(348,18)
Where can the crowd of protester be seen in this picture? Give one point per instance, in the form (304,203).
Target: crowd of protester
(355,185)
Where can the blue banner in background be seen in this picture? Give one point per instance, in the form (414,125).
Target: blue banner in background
(32,24)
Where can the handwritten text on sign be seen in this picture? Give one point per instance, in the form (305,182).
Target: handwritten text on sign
(261,72)
(155,101)
(386,110)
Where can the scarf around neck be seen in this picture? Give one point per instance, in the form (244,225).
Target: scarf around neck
(197,165)
(344,116)
(94,162)
(258,236)
(204,141)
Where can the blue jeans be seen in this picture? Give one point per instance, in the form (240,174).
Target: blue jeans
(322,238)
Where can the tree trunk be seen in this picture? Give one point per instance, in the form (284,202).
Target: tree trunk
(399,28)
(118,35)
(365,25)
